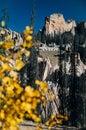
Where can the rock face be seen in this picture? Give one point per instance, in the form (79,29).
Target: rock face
(4,33)
(70,70)
(57,24)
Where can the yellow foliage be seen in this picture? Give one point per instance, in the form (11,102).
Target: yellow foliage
(27,44)
(6,67)
(13,74)
(27,53)
(19,64)
(2,57)
(8,45)
(28,31)
(38,128)
(56,119)
(42,85)
(51,94)
(28,38)
(3,23)
(8,37)
(2,75)
(2,32)
(2,114)
(1,42)
(17,102)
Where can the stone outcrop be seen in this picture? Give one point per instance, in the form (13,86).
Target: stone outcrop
(57,24)
(8,33)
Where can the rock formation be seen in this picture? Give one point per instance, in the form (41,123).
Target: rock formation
(8,33)
(57,24)
(70,71)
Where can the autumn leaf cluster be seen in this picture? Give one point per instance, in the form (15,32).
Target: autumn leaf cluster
(16,102)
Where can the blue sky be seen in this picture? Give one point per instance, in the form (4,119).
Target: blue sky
(20,11)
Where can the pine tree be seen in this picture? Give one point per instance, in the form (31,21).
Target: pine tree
(73,113)
(28,76)
(32,72)
(61,92)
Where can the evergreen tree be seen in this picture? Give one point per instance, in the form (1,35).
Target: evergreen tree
(32,72)
(28,76)
(73,112)
(61,92)
(39,36)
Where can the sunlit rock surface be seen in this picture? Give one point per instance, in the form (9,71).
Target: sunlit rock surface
(57,24)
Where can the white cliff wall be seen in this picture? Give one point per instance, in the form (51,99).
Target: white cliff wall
(57,24)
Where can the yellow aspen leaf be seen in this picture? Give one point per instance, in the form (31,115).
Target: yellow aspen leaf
(60,116)
(8,37)
(28,106)
(2,114)
(1,43)
(19,90)
(13,122)
(2,96)
(2,75)
(2,57)
(53,123)
(37,82)
(29,38)
(29,44)
(7,45)
(9,90)
(23,105)
(59,121)
(36,118)
(6,67)
(66,118)
(28,89)
(19,64)
(36,93)
(4,129)
(27,53)
(18,101)
(27,28)
(0,124)
(13,74)
(3,23)
(38,128)
(1,88)
(2,31)
(43,86)
(24,44)
(51,94)
(28,31)
(6,80)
